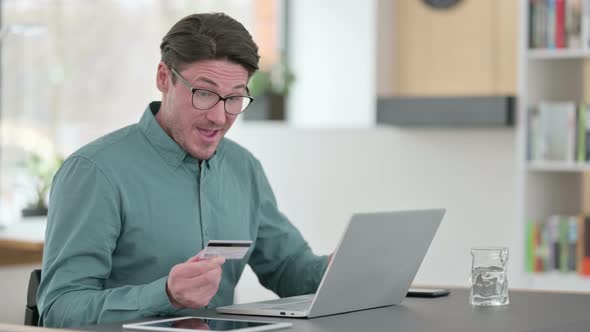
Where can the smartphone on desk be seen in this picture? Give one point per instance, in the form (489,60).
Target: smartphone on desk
(428,292)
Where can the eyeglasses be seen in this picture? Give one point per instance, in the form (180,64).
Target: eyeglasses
(205,99)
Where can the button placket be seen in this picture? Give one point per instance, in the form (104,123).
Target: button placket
(202,202)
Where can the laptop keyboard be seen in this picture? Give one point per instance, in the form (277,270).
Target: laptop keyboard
(293,306)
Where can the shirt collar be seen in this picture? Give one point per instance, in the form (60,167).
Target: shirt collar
(167,148)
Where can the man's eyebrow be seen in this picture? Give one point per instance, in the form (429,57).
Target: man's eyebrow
(208,81)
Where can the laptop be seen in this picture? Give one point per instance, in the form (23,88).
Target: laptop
(373,266)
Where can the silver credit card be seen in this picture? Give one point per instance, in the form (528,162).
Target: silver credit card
(226,248)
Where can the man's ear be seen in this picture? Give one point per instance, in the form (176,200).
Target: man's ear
(162,75)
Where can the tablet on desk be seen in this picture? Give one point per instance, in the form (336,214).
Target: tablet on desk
(191,324)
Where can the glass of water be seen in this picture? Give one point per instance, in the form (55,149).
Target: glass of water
(489,284)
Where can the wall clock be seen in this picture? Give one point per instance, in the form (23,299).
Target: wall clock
(441,4)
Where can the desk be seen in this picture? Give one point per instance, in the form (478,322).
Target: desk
(528,311)
(22,242)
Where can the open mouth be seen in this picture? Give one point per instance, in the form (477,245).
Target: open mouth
(208,132)
(209,135)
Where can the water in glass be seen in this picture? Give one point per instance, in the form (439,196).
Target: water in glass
(488,276)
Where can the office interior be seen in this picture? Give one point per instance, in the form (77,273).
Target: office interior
(69,76)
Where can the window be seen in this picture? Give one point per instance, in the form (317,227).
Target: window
(73,70)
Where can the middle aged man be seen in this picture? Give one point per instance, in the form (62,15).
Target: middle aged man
(130,211)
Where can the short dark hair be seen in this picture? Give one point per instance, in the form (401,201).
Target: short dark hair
(208,37)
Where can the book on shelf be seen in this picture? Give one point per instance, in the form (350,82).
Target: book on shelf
(582,134)
(573,24)
(530,240)
(551,23)
(581,243)
(560,23)
(560,243)
(571,244)
(552,132)
(554,243)
(585,251)
(555,24)
(563,248)
(535,252)
(558,131)
(540,250)
(585,128)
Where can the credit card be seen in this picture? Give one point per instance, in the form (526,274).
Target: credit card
(226,248)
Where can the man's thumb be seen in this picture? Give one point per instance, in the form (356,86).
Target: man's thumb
(196,258)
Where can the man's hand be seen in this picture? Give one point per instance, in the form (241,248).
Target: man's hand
(192,284)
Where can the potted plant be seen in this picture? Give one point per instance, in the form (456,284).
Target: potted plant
(270,87)
(40,171)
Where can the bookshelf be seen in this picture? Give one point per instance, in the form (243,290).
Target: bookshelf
(549,71)
(554,166)
(545,54)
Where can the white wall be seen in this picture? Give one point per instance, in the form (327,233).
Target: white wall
(14,281)
(322,176)
(332,52)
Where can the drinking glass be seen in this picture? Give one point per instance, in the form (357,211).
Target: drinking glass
(489,283)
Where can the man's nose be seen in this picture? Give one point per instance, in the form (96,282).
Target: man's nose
(217,114)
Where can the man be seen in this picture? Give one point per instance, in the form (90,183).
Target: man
(130,211)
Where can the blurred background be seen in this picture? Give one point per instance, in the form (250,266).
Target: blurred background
(476,106)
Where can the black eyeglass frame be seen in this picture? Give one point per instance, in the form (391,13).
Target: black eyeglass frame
(193,90)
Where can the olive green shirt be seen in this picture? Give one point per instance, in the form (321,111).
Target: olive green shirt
(129,206)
